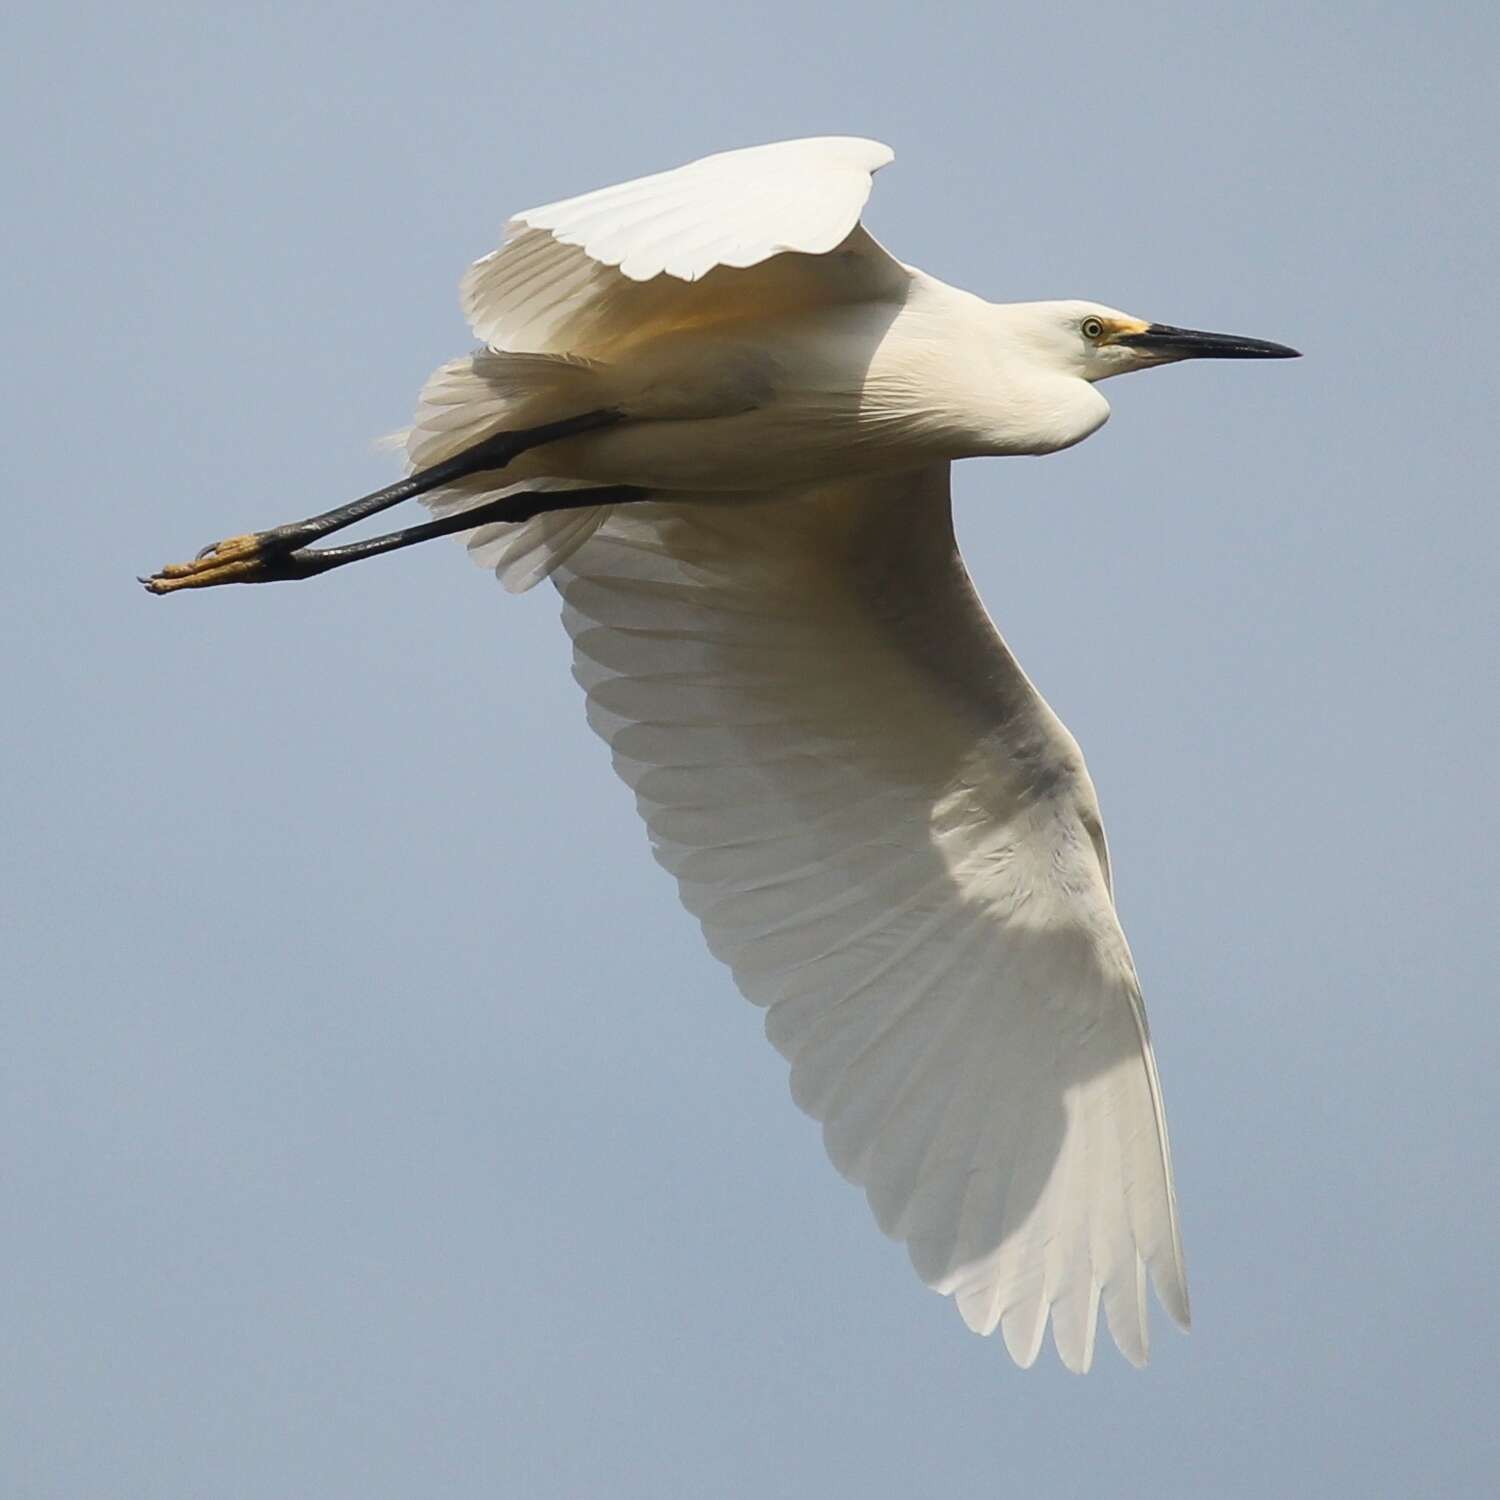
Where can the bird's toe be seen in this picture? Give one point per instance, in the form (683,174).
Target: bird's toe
(237,559)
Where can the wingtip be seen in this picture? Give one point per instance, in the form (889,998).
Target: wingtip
(1170,1284)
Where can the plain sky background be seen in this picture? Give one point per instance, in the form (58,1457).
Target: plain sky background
(374,1123)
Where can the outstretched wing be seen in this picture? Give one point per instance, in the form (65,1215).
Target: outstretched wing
(894,844)
(751,231)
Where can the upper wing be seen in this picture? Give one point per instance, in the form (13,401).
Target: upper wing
(893,842)
(586,274)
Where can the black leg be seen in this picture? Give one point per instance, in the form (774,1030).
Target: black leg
(278,565)
(308,562)
(249,558)
(492,453)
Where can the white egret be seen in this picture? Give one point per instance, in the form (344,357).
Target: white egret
(725,418)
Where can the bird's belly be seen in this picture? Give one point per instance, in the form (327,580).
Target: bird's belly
(853,390)
(766,448)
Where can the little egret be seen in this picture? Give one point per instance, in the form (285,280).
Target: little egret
(720,417)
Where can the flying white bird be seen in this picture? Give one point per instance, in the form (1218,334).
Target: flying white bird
(720,417)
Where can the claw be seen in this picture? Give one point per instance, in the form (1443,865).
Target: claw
(237,559)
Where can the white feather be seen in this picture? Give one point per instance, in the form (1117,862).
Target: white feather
(577,279)
(882,828)
(894,844)
(488,391)
(618,265)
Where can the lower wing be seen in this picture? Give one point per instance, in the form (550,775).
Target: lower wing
(893,843)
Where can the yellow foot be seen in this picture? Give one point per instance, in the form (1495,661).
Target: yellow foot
(238,559)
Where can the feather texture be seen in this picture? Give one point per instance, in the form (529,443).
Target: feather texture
(893,843)
(625,263)
(741,234)
(882,828)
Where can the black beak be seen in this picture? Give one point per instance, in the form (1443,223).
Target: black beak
(1166,342)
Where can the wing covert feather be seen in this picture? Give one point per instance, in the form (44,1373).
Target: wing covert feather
(743,232)
(893,843)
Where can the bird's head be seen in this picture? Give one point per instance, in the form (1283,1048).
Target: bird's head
(1094,342)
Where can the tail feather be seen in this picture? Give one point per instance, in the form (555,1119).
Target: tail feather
(522,555)
(489,391)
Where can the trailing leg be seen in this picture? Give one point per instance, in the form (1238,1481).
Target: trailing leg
(265,556)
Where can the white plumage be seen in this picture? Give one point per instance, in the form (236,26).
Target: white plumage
(885,832)
(579,274)
(894,844)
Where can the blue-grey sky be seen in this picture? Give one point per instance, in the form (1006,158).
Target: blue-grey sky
(373,1122)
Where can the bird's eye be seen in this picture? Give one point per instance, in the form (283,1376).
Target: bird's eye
(1092,328)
